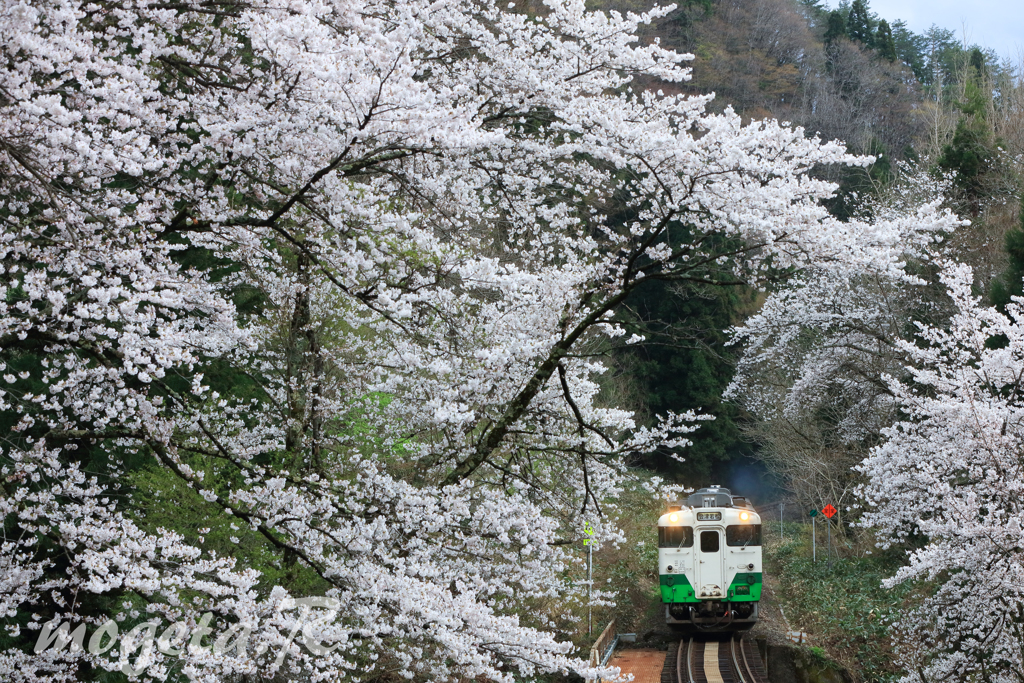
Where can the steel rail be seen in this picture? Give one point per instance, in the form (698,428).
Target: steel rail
(746,664)
(736,662)
(732,666)
(687,657)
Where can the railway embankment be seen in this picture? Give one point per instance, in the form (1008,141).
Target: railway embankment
(787,661)
(796,664)
(840,607)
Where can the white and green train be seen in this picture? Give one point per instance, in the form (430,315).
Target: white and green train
(709,559)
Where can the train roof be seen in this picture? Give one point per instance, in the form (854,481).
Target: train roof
(716,497)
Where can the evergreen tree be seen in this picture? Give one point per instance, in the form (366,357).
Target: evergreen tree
(1011,283)
(971,152)
(946,56)
(911,49)
(858,23)
(884,42)
(816,8)
(835,28)
(978,65)
(685,364)
(679,26)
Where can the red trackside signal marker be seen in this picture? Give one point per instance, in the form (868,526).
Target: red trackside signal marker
(829,511)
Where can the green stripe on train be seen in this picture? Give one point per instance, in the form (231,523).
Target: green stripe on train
(745,587)
(676,588)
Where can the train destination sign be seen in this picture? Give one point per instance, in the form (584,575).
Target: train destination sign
(709,516)
(829,511)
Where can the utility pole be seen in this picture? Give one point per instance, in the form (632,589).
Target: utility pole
(814,538)
(830,544)
(782,528)
(590,588)
(588,540)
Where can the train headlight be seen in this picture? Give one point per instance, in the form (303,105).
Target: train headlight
(673,518)
(744,516)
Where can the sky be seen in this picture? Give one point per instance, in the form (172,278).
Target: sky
(998,24)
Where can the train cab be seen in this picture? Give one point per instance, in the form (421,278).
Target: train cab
(709,556)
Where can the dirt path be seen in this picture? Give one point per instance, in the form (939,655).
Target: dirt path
(645,665)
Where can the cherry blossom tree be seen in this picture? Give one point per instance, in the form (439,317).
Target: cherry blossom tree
(811,376)
(816,354)
(949,477)
(335,278)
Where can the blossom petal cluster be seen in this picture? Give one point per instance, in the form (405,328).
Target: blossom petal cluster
(948,478)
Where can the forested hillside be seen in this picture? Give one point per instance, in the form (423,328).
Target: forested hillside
(926,106)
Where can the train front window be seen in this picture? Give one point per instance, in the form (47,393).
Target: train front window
(709,541)
(743,535)
(675,536)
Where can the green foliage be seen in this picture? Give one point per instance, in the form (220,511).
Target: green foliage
(944,51)
(971,152)
(835,27)
(947,58)
(681,22)
(685,365)
(856,183)
(815,9)
(845,609)
(1011,282)
(911,50)
(858,23)
(884,42)
(978,65)
(631,568)
(674,30)
(628,569)
(162,500)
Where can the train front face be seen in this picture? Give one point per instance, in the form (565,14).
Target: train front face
(709,558)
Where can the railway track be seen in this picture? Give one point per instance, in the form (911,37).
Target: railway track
(731,660)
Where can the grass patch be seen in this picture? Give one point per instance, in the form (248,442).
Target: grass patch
(845,608)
